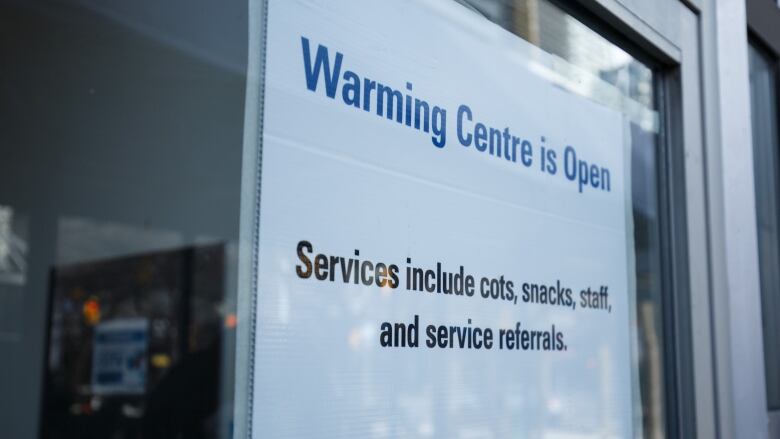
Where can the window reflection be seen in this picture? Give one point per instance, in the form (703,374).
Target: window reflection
(14,258)
(548,27)
(119,203)
(135,344)
(13,247)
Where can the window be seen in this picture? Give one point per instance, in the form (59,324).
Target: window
(530,66)
(121,158)
(120,163)
(627,83)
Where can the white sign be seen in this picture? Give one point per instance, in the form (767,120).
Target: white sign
(119,357)
(443,234)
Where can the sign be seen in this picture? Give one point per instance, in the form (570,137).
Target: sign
(119,350)
(443,242)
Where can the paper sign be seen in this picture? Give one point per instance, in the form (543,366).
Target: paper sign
(443,234)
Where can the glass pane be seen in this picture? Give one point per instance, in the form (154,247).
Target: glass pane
(121,146)
(399,193)
(763,102)
(120,162)
(547,26)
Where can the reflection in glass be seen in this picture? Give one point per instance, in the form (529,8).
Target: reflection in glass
(13,247)
(584,51)
(550,28)
(119,201)
(14,259)
(135,344)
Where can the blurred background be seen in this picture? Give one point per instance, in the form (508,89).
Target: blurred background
(121,129)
